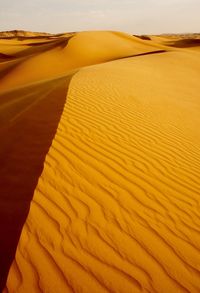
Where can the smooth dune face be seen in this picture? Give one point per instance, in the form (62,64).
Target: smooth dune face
(65,53)
(116,206)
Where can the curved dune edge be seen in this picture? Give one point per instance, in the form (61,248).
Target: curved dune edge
(29,117)
(37,61)
(116,208)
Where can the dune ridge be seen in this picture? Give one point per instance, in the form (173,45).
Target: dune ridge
(26,136)
(69,52)
(116,207)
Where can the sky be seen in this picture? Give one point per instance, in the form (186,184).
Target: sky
(132,16)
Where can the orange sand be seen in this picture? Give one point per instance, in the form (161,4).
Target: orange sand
(115,196)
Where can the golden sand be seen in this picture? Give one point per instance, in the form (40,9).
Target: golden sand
(115,198)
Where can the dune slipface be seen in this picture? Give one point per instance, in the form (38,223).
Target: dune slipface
(114,204)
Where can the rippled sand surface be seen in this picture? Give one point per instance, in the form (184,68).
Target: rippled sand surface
(100,164)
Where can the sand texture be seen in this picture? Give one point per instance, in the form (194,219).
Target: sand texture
(100,163)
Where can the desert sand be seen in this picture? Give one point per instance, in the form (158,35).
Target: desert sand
(100,163)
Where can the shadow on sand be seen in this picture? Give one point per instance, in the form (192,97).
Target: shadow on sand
(26,133)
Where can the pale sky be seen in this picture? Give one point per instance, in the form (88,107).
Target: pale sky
(132,16)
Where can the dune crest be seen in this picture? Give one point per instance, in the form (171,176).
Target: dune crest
(57,56)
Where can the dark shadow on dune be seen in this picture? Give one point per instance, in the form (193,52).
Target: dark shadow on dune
(38,48)
(26,133)
(5,57)
(143,37)
(34,50)
(8,66)
(141,54)
(184,43)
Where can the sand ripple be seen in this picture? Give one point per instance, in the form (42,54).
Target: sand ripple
(116,208)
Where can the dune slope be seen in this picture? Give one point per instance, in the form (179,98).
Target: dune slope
(55,57)
(117,205)
(26,135)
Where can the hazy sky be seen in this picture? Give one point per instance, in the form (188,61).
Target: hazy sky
(133,16)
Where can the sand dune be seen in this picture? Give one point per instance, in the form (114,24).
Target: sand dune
(187,41)
(71,51)
(101,129)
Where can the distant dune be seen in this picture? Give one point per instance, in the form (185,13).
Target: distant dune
(100,163)
(191,41)
(21,33)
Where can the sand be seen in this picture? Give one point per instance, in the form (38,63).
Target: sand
(100,160)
